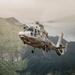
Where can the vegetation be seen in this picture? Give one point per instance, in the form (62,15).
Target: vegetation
(10,43)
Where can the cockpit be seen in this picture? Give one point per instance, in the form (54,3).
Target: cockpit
(30,29)
(34,31)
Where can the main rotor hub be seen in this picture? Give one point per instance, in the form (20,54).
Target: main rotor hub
(37,22)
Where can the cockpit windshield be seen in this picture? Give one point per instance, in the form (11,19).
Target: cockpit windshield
(30,29)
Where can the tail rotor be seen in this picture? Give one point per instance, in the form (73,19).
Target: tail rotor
(61,49)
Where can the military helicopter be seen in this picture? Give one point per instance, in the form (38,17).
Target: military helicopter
(36,36)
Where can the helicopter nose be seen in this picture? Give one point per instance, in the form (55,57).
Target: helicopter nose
(21,33)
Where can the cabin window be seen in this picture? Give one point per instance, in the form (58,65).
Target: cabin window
(30,29)
(35,31)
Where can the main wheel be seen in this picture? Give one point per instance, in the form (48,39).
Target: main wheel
(32,51)
(46,50)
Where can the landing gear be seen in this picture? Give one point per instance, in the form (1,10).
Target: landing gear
(32,51)
(46,48)
(24,42)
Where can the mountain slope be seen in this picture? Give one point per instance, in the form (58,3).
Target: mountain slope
(13,21)
(9,39)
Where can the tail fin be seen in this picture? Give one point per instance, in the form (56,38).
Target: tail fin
(61,49)
(59,40)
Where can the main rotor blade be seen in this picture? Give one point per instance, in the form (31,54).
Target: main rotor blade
(60,20)
(64,19)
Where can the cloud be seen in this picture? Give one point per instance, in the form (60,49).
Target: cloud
(43,10)
(50,8)
(55,29)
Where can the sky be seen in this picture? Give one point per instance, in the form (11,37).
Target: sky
(27,11)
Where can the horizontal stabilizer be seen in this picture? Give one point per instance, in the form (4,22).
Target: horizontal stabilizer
(66,47)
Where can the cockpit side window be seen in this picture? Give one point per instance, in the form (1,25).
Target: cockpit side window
(30,29)
(25,28)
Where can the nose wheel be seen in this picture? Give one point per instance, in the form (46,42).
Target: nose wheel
(24,42)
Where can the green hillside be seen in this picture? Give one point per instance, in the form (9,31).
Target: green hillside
(10,46)
(9,39)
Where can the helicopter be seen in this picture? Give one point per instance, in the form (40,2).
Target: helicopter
(36,36)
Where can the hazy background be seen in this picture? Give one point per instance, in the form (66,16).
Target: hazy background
(62,12)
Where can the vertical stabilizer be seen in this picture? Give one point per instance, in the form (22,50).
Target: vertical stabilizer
(61,48)
(59,40)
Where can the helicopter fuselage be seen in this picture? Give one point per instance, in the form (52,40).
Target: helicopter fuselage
(37,41)
(37,37)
